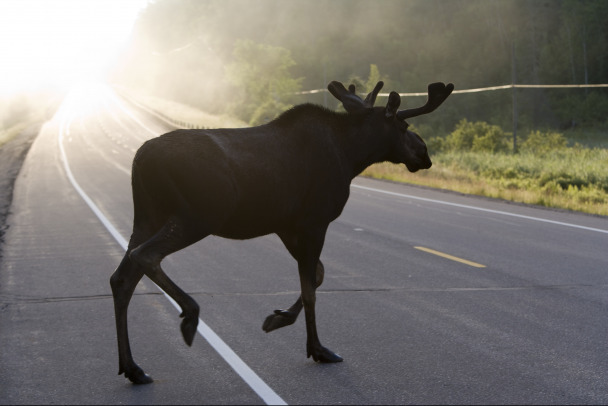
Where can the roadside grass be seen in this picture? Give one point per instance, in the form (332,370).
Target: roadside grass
(571,178)
(9,133)
(20,110)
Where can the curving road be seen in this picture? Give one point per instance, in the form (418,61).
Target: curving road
(430,297)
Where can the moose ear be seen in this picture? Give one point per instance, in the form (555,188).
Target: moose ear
(394,101)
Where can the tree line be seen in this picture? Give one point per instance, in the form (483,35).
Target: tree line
(251,59)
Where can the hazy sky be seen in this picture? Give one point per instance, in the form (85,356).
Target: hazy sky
(60,42)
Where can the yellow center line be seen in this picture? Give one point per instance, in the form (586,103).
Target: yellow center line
(453,258)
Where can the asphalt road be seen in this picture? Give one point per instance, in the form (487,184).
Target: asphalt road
(430,297)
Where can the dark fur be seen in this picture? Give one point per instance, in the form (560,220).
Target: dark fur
(290,177)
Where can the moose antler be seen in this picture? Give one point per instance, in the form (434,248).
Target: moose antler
(349,98)
(371,97)
(438,92)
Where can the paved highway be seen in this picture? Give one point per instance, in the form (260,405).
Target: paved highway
(430,297)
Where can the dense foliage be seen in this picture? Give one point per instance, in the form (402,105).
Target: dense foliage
(253,56)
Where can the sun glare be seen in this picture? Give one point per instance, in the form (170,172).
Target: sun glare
(61,42)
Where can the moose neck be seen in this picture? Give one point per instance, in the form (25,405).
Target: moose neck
(363,145)
(352,135)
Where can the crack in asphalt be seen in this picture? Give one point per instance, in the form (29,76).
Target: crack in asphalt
(7,300)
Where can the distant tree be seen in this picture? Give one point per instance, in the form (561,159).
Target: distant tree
(373,78)
(264,85)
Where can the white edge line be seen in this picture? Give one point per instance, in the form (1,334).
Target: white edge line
(464,206)
(236,363)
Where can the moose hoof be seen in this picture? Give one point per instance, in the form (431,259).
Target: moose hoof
(139,377)
(324,355)
(280,318)
(188,328)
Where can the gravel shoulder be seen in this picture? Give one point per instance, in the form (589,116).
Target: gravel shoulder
(12,155)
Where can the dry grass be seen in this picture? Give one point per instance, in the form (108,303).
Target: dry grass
(10,133)
(591,198)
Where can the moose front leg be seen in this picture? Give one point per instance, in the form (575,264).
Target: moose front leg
(281,318)
(309,250)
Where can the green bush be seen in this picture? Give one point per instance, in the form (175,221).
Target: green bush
(538,142)
(478,137)
(435,145)
(461,139)
(493,140)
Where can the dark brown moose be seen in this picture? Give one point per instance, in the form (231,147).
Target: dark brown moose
(290,177)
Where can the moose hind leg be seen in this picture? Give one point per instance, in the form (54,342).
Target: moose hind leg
(282,318)
(123,283)
(173,236)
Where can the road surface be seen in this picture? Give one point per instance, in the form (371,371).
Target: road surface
(430,297)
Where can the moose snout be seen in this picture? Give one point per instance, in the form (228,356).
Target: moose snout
(414,165)
(427,163)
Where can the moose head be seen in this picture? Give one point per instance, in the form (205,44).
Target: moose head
(406,146)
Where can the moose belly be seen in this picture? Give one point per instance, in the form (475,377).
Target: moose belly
(267,216)
(244,226)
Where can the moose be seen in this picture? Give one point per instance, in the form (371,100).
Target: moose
(290,177)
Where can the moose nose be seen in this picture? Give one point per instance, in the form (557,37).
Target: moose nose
(419,164)
(428,163)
